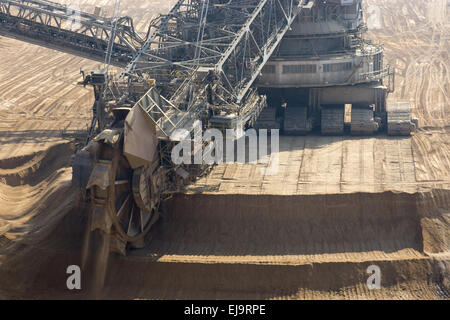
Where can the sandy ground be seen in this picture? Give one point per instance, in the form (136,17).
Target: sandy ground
(336,206)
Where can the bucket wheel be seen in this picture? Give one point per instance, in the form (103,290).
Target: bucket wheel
(122,199)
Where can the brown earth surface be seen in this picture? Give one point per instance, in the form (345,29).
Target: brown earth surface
(336,205)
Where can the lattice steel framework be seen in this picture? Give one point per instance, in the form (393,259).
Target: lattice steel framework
(232,38)
(202,53)
(213,47)
(68,29)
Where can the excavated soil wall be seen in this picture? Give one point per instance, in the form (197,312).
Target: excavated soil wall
(234,225)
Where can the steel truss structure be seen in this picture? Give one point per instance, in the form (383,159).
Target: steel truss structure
(67,29)
(212,51)
(203,52)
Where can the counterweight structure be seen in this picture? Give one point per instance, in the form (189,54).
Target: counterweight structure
(324,65)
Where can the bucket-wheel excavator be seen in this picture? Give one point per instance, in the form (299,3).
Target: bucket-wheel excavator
(294,65)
